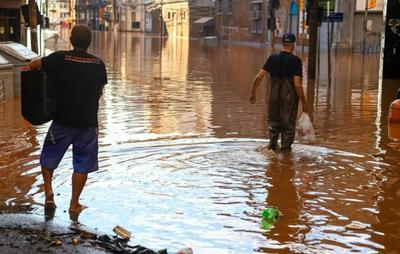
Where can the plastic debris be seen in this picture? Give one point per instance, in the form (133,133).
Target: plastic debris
(115,244)
(75,241)
(122,232)
(270,214)
(87,235)
(185,251)
(118,245)
(356,225)
(56,243)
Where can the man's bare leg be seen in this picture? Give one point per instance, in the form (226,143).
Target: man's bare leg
(48,189)
(78,182)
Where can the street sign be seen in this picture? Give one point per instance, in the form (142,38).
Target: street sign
(323,4)
(333,17)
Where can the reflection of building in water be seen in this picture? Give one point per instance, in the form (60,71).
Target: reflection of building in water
(351,99)
(149,82)
(234,69)
(130,66)
(178,101)
(19,156)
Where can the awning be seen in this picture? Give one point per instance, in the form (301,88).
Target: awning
(205,21)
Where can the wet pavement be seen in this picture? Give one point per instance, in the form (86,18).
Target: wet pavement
(183,159)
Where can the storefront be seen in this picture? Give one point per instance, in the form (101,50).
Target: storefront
(10,20)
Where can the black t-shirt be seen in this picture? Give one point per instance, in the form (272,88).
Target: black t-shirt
(283,65)
(78,79)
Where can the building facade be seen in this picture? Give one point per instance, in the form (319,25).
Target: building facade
(182,18)
(92,13)
(240,20)
(250,20)
(265,20)
(131,12)
(11,21)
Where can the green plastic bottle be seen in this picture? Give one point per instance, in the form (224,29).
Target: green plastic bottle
(270,214)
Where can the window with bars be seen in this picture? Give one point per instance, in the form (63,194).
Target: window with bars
(230,6)
(219,6)
(256,26)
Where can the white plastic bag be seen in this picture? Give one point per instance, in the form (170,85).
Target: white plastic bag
(306,130)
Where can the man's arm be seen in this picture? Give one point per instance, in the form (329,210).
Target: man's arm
(256,83)
(36,64)
(300,92)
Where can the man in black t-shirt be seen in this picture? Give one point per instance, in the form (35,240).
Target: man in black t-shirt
(78,79)
(286,89)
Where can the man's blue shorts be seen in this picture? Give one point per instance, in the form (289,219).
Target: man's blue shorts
(84,147)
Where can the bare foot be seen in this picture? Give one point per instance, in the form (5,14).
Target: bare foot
(49,201)
(77,208)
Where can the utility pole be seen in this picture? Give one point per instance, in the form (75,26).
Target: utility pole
(329,42)
(161,19)
(33,25)
(365,27)
(47,8)
(312,43)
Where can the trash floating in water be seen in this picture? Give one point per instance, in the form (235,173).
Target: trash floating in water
(356,225)
(270,213)
(185,251)
(270,217)
(122,232)
(75,241)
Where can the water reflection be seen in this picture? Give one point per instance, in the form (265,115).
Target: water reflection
(19,157)
(179,158)
(282,193)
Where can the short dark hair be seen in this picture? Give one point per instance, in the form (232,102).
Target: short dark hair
(81,37)
(288,44)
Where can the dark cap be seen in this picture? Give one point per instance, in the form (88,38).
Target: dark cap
(289,38)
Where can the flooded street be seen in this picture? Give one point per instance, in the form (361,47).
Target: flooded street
(183,159)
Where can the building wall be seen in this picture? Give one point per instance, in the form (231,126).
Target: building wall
(375,21)
(131,14)
(199,9)
(177,18)
(242,21)
(11,4)
(11,21)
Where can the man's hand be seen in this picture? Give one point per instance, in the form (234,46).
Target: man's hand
(252,98)
(256,83)
(35,64)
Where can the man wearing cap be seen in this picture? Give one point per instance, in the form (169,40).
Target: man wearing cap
(286,89)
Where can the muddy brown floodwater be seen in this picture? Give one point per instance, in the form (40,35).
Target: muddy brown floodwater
(181,164)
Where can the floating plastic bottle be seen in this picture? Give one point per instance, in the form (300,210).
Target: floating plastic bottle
(270,214)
